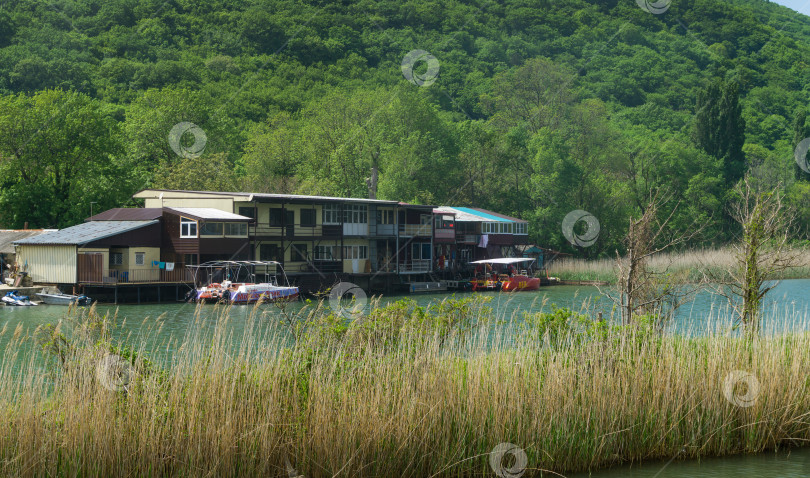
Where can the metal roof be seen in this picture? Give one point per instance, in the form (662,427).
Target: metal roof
(289,197)
(128,214)
(9,236)
(87,232)
(474,214)
(208,213)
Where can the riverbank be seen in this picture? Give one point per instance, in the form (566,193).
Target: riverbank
(683,267)
(399,391)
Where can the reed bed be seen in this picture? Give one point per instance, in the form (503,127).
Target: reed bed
(685,266)
(397,392)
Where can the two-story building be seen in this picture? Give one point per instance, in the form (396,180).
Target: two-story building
(320,238)
(131,248)
(466,234)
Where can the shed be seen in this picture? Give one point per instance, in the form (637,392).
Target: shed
(7,238)
(82,253)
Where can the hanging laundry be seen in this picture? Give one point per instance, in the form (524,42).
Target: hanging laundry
(162,265)
(170,266)
(484,240)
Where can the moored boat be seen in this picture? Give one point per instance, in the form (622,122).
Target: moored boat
(15,299)
(489,278)
(63,299)
(244,292)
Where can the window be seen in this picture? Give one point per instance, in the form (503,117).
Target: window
(385,216)
(356,214)
(420,250)
(276,216)
(324,253)
(116,259)
(236,229)
(188,228)
(270,252)
(298,252)
(212,229)
(308,217)
(190,259)
(355,252)
(520,228)
(331,214)
(425,219)
(140,258)
(247,211)
(445,222)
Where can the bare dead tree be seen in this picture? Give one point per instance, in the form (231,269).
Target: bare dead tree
(762,254)
(642,289)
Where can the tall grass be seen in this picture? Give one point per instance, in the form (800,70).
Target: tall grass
(401,391)
(685,266)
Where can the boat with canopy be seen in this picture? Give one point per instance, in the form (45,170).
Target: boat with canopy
(502,274)
(241,282)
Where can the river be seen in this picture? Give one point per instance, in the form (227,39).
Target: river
(786,308)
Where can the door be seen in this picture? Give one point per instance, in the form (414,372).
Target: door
(91,267)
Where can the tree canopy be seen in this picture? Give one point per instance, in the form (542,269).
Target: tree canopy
(532,109)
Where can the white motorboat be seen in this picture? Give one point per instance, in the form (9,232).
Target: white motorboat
(63,299)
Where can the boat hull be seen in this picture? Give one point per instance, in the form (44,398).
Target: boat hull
(13,299)
(63,299)
(247,293)
(512,284)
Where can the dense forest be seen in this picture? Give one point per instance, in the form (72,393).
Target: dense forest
(529,108)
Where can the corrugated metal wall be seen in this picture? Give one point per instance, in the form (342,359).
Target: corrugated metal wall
(49,264)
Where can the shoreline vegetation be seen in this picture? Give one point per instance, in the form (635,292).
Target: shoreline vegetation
(683,267)
(398,390)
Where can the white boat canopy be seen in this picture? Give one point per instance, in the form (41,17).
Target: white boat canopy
(504,260)
(235,263)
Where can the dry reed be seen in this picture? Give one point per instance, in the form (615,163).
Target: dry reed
(427,404)
(685,266)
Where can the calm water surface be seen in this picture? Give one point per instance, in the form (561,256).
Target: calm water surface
(786,308)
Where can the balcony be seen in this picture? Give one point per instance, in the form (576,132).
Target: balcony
(448,234)
(417,266)
(298,231)
(414,230)
(180,274)
(468,238)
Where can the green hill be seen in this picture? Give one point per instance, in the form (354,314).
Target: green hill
(538,108)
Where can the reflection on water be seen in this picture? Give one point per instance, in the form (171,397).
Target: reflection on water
(787,464)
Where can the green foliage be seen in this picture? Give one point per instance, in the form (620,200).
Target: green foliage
(537,109)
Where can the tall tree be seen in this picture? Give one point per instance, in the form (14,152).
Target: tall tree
(720,128)
(58,153)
